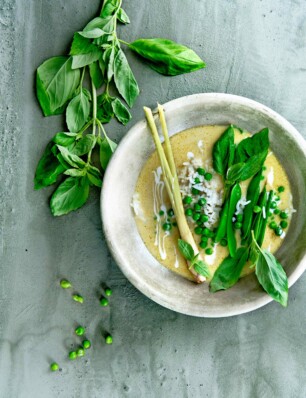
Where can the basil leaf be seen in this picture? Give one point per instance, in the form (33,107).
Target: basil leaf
(98,27)
(186,250)
(84,145)
(110,57)
(167,57)
(223,152)
(243,171)
(234,173)
(107,148)
(94,176)
(258,144)
(64,139)
(121,112)
(124,79)
(109,8)
(81,45)
(123,17)
(92,34)
(272,277)
(77,112)
(48,169)
(96,74)
(228,272)
(70,195)
(104,110)
(76,172)
(56,83)
(79,61)
(201,268)
(70,158)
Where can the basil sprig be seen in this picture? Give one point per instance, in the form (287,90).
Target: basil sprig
(62,86)
(188,253)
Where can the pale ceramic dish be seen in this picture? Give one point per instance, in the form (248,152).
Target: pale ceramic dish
(121,233)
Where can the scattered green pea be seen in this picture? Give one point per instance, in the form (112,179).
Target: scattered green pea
(65,284)
(264,167)
(262,178)
(211,234)
(276,211)
(195,191)
(187,200)
(198,230)
(283,224)
(189,212)
(170,213)
(278,231)
(283,214)
(197,207)
(78,298)
(204,239)
(273,205)
(167,226)
(108,339)
(196,216)
(277,198)
(80,330)
(86,344)
(223,242)
(281,188)
(209,251)
(200,171)
(161,212)
(204,218)
(197,180)
(104,302)
(237,225)
(239,217)
(203,244)
(54,367)
(72,355)
(202,201)
(80,352)
(273,225)
(108,292)
(206,232)
(257,209)
(208,176)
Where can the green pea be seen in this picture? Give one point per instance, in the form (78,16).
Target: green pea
(206,232)
(174,224)
(262,178)
(78,298)
(273,205)
(167,226)
(257,209)
(278,231)
(197,207)
(200,171)
(209,251)
(189,212)
(203,244)
(277,198)
(283,224)
(204,239)
(86,344)
(197,180)
(237,225)
(65,284)
(170,213)
(223,242)
(72,355)
(281,188)
(283,214)
(195,191)
(211,234)
(108,292)
(198,230)
(161,212)
(208,176)
(187,200)
(108,339)
(104,302)
(80,352)
(239,217)
(199,222)
(80,330)
(276,211)
(273,225)
(264,167)
(202,201)
(196,216)
(54,367)
(204,218)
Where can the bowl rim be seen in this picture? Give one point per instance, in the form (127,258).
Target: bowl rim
(142,285)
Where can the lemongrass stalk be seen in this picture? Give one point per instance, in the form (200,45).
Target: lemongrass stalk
(171,182)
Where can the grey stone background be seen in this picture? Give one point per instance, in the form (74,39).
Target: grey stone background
(252,48)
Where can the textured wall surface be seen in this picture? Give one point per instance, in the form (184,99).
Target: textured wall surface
(252,48)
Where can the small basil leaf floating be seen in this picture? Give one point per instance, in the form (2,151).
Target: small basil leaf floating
(84,145)
(107,148)
(96,74)
(186,250)
(228,272)
(167,57)
(234,173)
(124,79)
(224,151)
(109,7)
(70,195)
(110,60)
(201,268)
(70,158)
(94,176)
(104,110)
(56,83)
(251,146)
(123,17)
(121,112)
(48,169)
(64,139)
(77,112)
(272,277)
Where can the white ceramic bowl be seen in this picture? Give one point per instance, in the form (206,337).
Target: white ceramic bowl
(121,233)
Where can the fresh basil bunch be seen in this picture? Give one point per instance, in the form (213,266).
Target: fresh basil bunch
(60,81)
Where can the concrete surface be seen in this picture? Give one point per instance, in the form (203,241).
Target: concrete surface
(252,48)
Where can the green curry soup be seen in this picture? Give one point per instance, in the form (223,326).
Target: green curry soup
(154,217)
